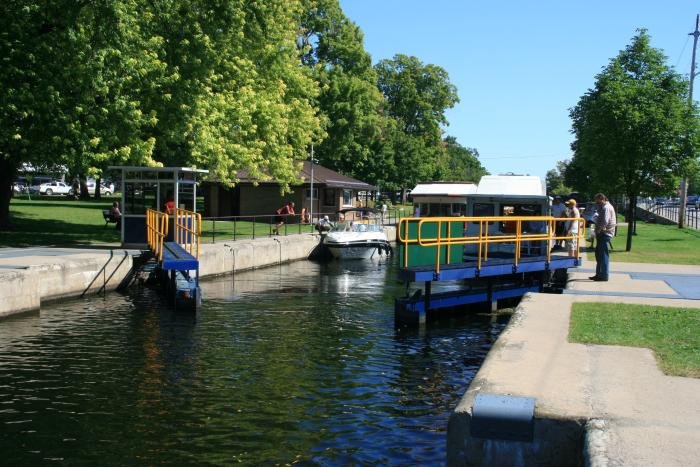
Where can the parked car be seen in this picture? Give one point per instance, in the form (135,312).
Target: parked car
(55,188)
(104,189)
(20,186)
(589,213)
(37,182)
(692,201)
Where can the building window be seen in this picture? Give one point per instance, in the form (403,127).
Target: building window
(347,197)
(308,193)
(329,197)
(483,210)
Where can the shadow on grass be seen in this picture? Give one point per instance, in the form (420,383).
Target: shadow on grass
(65,203)
(27,231)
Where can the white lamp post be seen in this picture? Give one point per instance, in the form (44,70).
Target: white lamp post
(311,208)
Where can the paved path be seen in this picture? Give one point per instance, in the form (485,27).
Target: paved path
(637,415)
(654,419)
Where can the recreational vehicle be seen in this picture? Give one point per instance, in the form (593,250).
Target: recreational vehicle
(507,195)
(442,199)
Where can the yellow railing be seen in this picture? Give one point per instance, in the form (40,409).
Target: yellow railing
(156,231)
(511,230)
(188,228)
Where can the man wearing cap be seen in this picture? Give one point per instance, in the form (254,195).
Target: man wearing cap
(572,226)
(605,225)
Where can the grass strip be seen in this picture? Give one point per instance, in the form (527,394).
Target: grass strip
(58,221)
(656,243)
(673,333)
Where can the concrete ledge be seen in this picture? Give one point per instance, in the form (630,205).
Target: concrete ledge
(43,278)
(524,365)
(27,281)
(595,404)
(224,258)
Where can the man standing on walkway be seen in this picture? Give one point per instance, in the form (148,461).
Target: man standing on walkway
(604,230)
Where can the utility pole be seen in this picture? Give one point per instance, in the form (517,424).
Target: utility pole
(693,74)
(311,208)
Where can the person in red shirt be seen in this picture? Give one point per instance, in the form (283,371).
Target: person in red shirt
(282,214)
(169,205)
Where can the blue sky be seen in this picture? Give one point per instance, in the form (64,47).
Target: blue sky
(520,65)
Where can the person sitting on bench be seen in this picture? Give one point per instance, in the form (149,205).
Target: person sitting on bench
(116,214)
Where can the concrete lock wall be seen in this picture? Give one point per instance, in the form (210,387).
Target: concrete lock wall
(45,278)
(55,277)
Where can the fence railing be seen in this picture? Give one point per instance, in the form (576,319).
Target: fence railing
(522,235)
(156,231)
(670,212)
(225,228)
(188,229)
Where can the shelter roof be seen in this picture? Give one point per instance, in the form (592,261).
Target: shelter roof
(322,176)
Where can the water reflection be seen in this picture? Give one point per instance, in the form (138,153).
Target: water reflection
(295,363)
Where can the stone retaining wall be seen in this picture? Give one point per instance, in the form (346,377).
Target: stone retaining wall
(45,278)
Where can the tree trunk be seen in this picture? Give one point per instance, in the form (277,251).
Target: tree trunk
(631,214)
(84,193)
(7,175)
(98,182)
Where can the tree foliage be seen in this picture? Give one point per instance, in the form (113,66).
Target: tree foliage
(460,163)
(349,100)
(416,98)
(224,85)
(556,180)
(634,131)
(212,84)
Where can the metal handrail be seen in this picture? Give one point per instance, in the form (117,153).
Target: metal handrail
(188,229)
(156,231)
(483,239)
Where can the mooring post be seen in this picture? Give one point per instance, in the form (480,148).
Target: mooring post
(426,298)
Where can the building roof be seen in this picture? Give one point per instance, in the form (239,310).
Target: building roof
(132,168)
(322,176)
(444,189)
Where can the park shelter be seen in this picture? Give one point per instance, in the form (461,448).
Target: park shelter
(149,188)
(332,191)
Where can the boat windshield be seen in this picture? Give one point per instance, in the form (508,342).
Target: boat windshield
(356,226)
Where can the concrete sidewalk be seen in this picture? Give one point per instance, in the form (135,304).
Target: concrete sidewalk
(629,411)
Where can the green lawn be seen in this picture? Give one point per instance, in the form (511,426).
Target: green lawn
(220,230)
(656,243)
(673,333)
(62,221)
(58,221)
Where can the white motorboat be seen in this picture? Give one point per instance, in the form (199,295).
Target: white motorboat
(360,236)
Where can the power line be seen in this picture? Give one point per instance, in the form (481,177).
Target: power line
(687,39)
(536,156)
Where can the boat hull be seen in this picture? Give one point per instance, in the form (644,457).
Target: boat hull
(356,250)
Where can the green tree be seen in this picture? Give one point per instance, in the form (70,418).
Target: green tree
(417,96)
(69,87)
(460,164)
(239,100)
(349,100)
(634,130)
(556,180)
(212,84)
